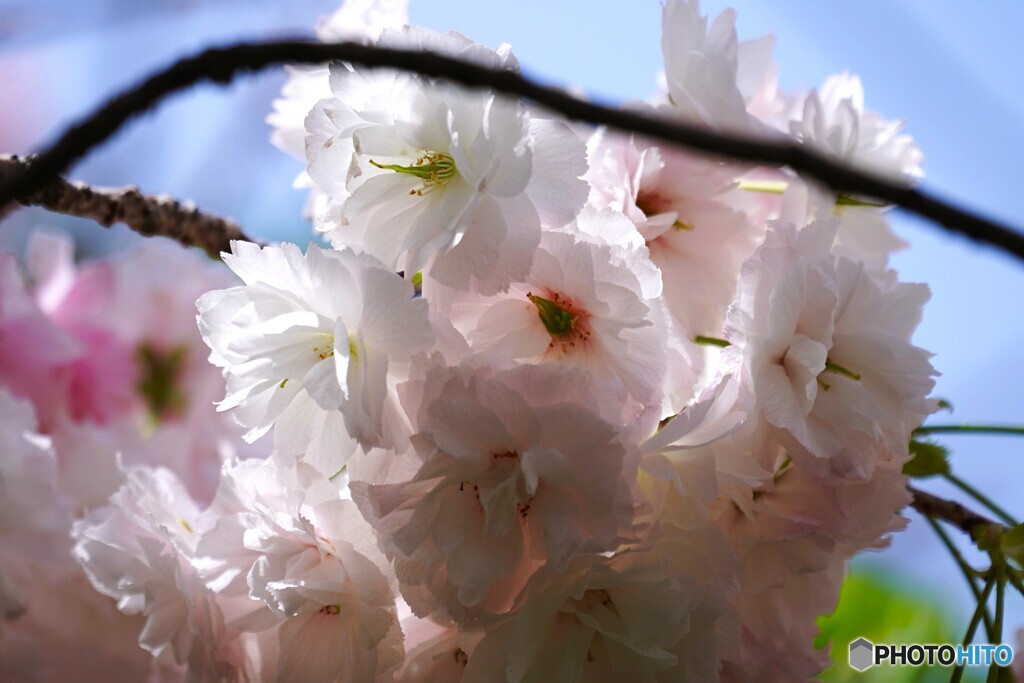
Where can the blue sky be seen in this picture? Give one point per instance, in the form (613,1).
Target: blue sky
(950,68)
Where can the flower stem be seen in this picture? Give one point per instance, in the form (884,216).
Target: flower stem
(1011,430)
(980,497)
(958,672)
(765,186)
(965,569)
(1000,570)
(710,341)
(840,370)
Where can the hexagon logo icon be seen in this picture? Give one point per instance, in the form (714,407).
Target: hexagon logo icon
(862,654)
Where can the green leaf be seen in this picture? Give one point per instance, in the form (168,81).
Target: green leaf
(929,459)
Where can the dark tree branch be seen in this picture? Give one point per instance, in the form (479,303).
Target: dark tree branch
(954,513)
(221,65)
(145,214)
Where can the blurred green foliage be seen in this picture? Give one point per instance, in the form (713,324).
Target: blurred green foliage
(884,609)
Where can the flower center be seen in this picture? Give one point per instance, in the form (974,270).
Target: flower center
(434,168)
(159,380)
(839,370)
(325,349)
(564,323)
(652,204)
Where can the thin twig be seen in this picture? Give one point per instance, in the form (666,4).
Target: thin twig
(980,497)
(145,214)
(952,512)
(221,65)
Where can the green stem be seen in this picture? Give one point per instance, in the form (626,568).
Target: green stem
(1011,430)
(780,186)
(840,370)
(999,566)
(966,569)
(765,186)
(847,200)
(710,341)
(829,365)
(958,672)
(980,497)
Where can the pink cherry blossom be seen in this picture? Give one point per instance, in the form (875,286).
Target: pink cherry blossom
(581,304)
(516,473)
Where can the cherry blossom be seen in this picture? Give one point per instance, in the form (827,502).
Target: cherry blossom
(581,304)
(435,178)
(823,359)
(835,121)
(690,215)
(313,336)
(33,517)
(138,550)
(701,66)
(124,367)
(301,569)
(515,474)
(547,403)
(660,614)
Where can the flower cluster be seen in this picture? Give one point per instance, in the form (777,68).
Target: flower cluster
(102,369)
(556,403)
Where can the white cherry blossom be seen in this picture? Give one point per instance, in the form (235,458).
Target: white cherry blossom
(297,565)
(701,66)
(823,349)
(834,121)
(355,20)
(432,177)
(138,550)
(313,336)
